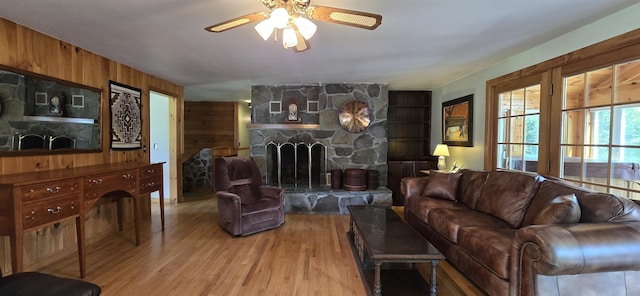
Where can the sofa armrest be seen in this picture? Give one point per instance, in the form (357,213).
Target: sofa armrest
(410,186)
(577,248)
(228,196)
(229,211)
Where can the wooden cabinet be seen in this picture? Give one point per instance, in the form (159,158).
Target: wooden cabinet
(36,199)
(35,214)
(97,186)
(151,179)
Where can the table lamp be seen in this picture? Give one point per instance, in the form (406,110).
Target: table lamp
(441,151)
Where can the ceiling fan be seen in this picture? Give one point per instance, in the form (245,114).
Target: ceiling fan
(289,15)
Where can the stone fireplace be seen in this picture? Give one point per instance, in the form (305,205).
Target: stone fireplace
(275,140)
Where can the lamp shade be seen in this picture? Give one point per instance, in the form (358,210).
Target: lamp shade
(279,17)
(306,27)
(289,38)
(265,28)
(441,150)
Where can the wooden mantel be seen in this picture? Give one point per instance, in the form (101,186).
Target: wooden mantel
(284,126)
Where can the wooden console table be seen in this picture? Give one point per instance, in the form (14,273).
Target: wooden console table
(33,200)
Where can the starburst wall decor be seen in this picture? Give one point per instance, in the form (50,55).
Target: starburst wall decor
(126,116)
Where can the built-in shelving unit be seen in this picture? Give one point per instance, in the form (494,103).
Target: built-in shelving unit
(409,125)
(408,133)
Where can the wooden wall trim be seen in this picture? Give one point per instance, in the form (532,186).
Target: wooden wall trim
(619,42)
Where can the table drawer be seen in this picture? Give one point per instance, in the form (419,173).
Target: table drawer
(43,212)
(49,190)
(152,170)
(97,186)
(151,184)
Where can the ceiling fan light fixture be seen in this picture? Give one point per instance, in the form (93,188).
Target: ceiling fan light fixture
(265,28)
(289,38)
(306,27)
(279,17)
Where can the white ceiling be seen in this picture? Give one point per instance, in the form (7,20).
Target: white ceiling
(421,44)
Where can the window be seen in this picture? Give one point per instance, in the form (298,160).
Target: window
(600,143)
(576,117)
(518,129)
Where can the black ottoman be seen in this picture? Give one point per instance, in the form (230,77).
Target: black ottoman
(40,284)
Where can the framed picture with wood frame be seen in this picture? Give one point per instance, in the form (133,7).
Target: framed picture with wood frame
(457,122)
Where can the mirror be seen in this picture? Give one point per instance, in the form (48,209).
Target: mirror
(355,116)
(41,115)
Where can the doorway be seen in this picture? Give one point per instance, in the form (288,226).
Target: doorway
(161,146)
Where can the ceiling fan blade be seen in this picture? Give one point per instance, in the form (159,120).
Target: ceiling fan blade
(341,16)
(303,44)
(237,22)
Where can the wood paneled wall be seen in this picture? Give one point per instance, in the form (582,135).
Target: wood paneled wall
(25,49)
(210,125)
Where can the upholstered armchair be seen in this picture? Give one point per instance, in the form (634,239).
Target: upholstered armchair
(245,206)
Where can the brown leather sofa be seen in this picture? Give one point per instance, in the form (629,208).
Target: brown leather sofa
(524,234)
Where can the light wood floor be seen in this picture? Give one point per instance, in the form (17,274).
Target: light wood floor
(308,255)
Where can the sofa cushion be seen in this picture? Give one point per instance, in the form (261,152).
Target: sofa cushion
(420,206)
(548,191)
(447,222)
(441,185)
(491,247)
(563,209)
(507,195)
(259,205)
(470,187)
(600,207)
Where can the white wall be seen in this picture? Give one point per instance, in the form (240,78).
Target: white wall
(472,157)
(159,137)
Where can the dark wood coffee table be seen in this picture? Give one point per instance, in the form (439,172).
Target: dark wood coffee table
(386,249)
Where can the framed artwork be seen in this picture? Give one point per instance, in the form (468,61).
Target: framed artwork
(126,116)
(457,122)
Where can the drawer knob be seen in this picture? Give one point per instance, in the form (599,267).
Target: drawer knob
(54,211)
(53,190)
(96,181)
(151,171)
(127,176)
(151,183)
